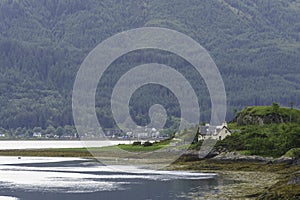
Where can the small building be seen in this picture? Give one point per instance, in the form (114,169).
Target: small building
(37,134)
(129,134)
(2,135)
(142,135)
(214,132)
(155,134)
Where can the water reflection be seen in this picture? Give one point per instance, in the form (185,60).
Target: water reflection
(74,178)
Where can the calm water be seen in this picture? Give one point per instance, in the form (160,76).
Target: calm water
(73,178)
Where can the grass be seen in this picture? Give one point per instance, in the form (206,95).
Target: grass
(140,148)
(48,153)
(266,110)
(84,152)
(293,153)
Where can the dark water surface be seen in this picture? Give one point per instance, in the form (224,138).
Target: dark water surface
(52,178)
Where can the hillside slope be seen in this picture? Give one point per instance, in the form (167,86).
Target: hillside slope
(255,44)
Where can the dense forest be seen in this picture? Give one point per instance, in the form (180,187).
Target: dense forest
(255,44)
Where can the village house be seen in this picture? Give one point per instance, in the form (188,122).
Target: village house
(214,132)
(37,134)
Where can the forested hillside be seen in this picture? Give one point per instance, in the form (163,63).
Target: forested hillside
(255,44)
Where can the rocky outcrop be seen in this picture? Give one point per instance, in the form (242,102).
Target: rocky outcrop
(284,160)
(250,119)
(237,157)
(294,181)
(234,156)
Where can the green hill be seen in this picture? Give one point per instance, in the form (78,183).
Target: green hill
(267,115)
(255,44)
(265,131)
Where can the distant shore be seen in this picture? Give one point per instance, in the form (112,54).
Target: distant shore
(51,144)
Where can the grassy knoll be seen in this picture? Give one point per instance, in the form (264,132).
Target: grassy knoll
(265,131)
(288,114)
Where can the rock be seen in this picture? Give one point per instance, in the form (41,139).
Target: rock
(261,120)
(234,156)
(190,156)
(294,181)
(296,161)
(212,154)
(284,160)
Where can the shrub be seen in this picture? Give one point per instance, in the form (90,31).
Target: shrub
(147,144)
(293,153)
(136,143)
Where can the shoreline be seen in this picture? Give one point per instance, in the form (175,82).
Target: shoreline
(247,180)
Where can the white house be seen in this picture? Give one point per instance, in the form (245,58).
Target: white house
(2,135)
(37,134)
(214,132)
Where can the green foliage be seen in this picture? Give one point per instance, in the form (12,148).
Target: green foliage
(136,143)
(141,148)
(275,108)
(293,153)
(59,131)
(269,114)
(266,140)
(147,144)
(232,143)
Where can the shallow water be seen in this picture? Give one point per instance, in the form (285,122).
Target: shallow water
(75,178)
